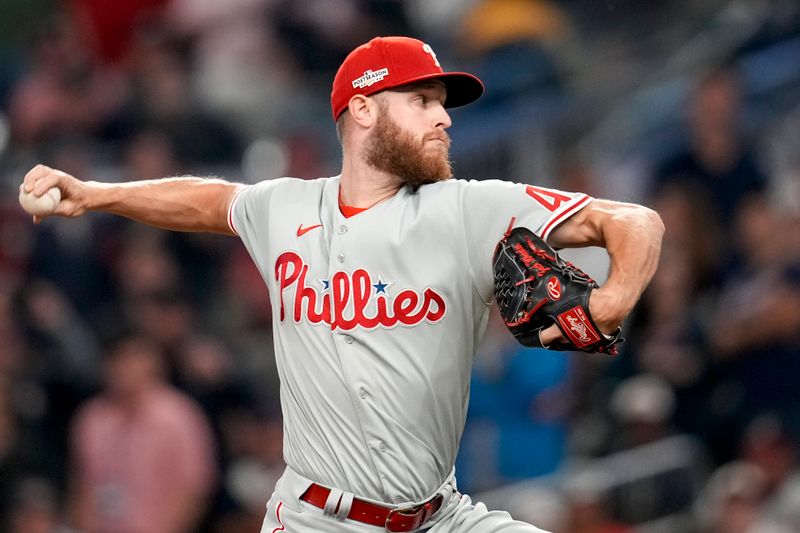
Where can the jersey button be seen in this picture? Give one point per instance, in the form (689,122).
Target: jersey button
(398,499)
(342,229)
(348,339)
(363,393)
(382,447)
(340,258)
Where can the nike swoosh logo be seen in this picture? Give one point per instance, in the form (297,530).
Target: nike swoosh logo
(302,231)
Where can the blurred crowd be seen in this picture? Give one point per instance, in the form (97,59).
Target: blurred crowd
(137,384)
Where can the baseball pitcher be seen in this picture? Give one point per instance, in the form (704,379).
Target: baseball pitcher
(382,278)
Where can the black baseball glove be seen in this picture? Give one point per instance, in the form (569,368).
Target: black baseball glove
(535,288)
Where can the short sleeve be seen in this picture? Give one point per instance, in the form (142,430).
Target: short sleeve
(247,209)
(248,213)
(492,207)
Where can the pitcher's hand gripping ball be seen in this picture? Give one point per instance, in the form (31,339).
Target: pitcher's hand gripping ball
(535,288)
(41,206)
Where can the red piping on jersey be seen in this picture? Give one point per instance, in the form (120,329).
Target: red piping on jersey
(564,214)
(230,209)
(278,516)
(510,226)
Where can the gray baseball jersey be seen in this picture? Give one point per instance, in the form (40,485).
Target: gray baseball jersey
(377,317)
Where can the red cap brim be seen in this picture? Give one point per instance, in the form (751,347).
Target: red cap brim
(462,88)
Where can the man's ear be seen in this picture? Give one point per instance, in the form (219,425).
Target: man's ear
(363,110)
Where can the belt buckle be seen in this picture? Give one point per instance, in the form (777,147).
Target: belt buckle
(417,514)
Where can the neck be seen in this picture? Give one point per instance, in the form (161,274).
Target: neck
(130,401)
(362,185)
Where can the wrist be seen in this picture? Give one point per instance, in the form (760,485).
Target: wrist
(96,195)
(609,307)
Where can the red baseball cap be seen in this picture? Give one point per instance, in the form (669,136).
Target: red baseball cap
(386,62)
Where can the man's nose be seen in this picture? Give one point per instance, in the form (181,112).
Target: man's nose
(443,118)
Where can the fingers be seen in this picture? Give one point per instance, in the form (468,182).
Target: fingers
(33,176)
(40,178)
(550,335)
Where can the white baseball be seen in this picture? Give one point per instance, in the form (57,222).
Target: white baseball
(40,205)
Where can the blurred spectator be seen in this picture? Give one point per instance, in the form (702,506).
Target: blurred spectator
(694,233)
(151,154)
(63,91)
(162,100)
(588,508)
(144,275)
(34,508)
(436,19)
(241,69)
(18,20)
(240,312)
(167,318)
(61,359)
(253,439)
(732,502)
(320,33)
(665,339)
(643,406)
(760,491)
(142,264)
(717,165)
(773,450)
(511,42)
(781,142)
(761,297)
(668,464)
(142,452)
(753,330)
(64,347)
(109,27)
(24,456)
(205,368)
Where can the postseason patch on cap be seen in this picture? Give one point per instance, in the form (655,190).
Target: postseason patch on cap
(370,77)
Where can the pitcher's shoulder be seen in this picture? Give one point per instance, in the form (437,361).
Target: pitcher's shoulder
(292,185)
(450,186)
(459,186)
(298,183)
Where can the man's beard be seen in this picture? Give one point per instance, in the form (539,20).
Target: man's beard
(395,151)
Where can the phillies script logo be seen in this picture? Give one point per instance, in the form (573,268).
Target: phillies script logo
(328,306)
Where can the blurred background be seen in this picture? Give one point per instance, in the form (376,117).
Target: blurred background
(691,107)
